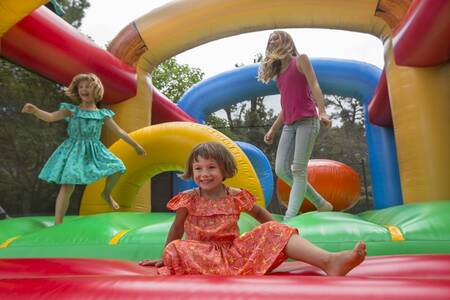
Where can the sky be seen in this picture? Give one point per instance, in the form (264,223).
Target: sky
(105,18)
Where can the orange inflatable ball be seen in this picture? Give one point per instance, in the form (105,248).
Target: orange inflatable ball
(335,181)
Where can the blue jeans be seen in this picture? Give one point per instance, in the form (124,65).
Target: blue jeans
(293,153)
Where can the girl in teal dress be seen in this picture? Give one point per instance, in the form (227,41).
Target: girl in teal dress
(82,158)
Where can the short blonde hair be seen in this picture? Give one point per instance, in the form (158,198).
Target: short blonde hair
(211,150)
(72,90)
(271,64)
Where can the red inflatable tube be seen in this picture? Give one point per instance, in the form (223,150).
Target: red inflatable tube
(405,266)
(218,287)
(422,39)
(383,277)
(164,110)
(408,266)
(379,108)
(45,44)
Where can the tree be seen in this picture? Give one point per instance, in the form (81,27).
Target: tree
(174,79)
(73,11)
(345,110)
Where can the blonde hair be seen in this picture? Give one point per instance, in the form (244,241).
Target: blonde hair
(211,150)
(271,64)
(72,90)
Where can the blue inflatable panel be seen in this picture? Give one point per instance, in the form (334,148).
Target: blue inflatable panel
(336,77)
(261,164)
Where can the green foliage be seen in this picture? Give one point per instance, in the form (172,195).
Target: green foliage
(222,125)
(247,122)
(174,79)
(345,110)
(74,11)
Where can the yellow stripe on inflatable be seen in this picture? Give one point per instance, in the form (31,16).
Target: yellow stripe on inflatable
(12,11)
(116,238)
(396,233)
(8,241)
(168,146)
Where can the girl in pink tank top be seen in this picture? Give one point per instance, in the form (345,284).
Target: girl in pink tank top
(300,96)
(296,101)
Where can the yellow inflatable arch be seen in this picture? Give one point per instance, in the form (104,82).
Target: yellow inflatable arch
(419,96)
(168,146)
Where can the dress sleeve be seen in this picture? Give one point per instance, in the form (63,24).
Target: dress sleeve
(70,107)
(245,200)
(107,113)
(183,199)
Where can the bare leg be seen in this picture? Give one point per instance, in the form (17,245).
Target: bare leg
(62,202)
(334,264)
(111,182)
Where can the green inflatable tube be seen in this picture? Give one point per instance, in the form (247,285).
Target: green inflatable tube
(407,229)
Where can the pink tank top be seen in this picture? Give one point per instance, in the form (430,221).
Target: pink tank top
(296,99)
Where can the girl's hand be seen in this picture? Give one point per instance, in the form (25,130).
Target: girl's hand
(268,138)
(325,119)
(29,108)
(140,150)
(152,262)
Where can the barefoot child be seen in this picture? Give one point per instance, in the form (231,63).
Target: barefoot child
(209,216)
(82,158)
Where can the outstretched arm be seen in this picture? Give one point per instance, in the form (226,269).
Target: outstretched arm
(175,233)
(110,124)
(58,115)
(304,66)
(261,214)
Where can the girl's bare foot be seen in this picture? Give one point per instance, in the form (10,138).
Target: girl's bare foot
(113,204)
(341,263)
(326,206)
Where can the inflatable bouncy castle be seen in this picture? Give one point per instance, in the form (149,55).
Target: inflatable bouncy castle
(406,108)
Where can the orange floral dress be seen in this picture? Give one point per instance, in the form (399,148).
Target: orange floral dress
(213,245)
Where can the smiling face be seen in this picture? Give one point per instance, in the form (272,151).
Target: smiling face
(274,41)
(86,91)
(207,174)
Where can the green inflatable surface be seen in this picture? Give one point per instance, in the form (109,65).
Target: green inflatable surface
(406,229)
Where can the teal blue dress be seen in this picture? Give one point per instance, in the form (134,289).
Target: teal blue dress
(82,158)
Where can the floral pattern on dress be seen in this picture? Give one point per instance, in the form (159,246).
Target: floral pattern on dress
(213,245)
(82,158)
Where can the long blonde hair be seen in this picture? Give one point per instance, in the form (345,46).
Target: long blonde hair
(72,90)
(271,64)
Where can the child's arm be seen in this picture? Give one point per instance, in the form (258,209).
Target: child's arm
(29,108)
(175,233)
(304,66)
(261,214)
(109,122)
(268,138)
(177,229)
